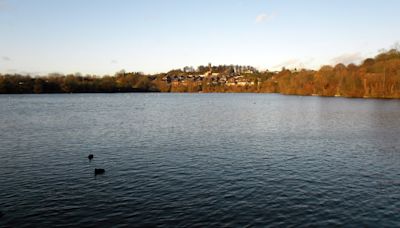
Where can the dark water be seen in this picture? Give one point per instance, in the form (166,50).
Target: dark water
(199,160)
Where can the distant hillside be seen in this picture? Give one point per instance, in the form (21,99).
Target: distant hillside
(377,77)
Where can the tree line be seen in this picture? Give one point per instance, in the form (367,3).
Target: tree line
(57,83)
(377,77)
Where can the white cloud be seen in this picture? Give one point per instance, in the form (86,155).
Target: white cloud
(263,17)
(113,61)
(348,58)
(5,58)
(295,63)
(396,46)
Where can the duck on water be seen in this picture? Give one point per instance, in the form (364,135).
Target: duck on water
(99,171)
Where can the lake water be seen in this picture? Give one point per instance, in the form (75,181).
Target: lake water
(203,160)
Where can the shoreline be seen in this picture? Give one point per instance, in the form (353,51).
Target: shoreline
(201,92)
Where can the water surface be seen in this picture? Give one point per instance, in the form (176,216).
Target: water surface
(199,160)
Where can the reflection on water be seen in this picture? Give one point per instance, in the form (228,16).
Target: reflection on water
(198,160)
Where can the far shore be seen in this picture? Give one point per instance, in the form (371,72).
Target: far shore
(377,77)
(157,92)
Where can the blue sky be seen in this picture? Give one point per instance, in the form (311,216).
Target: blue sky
(105,36)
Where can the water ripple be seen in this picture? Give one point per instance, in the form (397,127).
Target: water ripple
(198,160)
